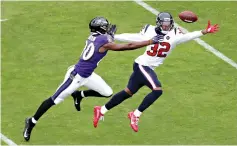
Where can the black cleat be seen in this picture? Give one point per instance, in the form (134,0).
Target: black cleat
(77,101)
(28,128)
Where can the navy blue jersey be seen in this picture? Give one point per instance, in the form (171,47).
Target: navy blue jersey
(91,56)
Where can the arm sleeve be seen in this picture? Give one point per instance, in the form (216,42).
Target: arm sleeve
(130,37)
(144,29)
(133,37)
(188,36)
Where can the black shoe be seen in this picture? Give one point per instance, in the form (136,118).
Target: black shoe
(77,101)
(28,128)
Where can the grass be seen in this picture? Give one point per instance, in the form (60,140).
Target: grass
(41,39)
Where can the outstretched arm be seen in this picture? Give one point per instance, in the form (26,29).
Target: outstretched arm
(130,37)
(133,37)
(193,35)
(128,46)
(131,46)
(188,36)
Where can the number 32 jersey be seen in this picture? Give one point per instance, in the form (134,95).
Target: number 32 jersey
(155,54)
(91,56)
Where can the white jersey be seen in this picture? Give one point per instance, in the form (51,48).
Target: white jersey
(155,54)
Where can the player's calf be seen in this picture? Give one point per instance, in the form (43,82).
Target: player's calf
(116,100)
(47,104)
(150,99)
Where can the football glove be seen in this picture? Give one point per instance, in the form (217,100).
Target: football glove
(156,39)
(112,30)
(212,28)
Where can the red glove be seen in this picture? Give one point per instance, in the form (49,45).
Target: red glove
(212,28)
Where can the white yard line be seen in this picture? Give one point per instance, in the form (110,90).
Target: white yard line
(2,20)
(7,140)
(199,41)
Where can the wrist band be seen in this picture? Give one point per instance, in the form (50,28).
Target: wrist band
(150,42)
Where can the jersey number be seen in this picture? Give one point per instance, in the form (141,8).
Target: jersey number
(165,47)
(88,51)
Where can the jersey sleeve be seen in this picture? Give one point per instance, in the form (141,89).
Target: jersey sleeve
(144,29)
(130,37)
(185,37)
(133,37)
(103,39)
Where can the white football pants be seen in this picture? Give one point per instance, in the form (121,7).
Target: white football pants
(72,81)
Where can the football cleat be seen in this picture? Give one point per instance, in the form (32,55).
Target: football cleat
(97,116)
(77,101)
(28,128)
(133,121)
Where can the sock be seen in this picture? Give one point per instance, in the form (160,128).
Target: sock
(149,99)
(87,93)
(82,94)
(137,113)
(33,120)
(43,108)
(77,94)
(103,110)
(32,124)
(117,99)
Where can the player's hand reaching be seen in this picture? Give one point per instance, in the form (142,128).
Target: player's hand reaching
(156,39)
(211,28)
(112,30)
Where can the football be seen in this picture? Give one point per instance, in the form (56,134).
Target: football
(188,16)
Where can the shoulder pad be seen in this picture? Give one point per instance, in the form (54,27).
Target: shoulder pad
(144,29)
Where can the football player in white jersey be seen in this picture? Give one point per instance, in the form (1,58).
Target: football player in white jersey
(143,68)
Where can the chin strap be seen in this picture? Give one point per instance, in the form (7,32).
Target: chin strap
(158,31)
(98,32)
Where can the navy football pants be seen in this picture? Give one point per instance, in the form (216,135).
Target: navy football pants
(142,76)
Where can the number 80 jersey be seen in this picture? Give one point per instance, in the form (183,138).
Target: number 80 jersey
(91,56)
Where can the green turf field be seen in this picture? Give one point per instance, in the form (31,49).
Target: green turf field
(41,39)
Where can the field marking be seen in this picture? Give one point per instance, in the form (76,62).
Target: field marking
(2,20)
(198,40)
(7,140)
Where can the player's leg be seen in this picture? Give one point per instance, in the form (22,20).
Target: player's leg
(133,86)
(65,89)
(97,88)
(151,80)
(154,84)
